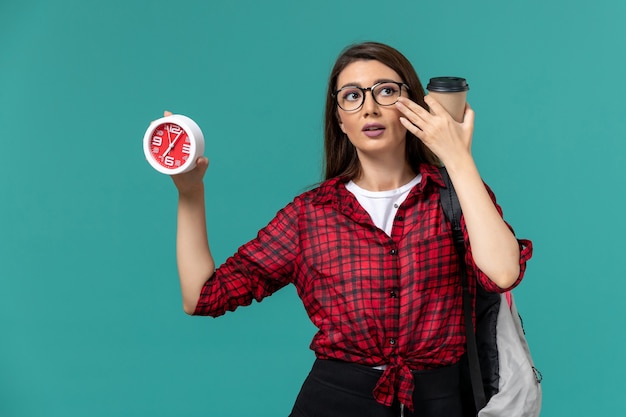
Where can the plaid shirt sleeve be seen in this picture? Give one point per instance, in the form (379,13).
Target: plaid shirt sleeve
(258,269)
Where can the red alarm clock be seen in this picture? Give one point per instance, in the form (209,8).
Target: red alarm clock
(172,144)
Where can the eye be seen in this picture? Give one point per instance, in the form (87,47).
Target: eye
(387,90)
(351,94)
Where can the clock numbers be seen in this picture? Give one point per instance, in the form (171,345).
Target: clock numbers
(170,146)
(157,141)
(174,129)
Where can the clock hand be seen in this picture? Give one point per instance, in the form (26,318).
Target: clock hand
(169,148)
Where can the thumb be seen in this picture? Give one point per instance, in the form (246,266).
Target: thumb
(202,163)
(469,115)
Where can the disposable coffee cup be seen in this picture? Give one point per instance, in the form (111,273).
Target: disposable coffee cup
(451,93)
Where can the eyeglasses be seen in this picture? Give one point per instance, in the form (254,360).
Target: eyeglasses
(385,93)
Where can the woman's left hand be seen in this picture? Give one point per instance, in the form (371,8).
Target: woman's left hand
(495,250)
(445,137)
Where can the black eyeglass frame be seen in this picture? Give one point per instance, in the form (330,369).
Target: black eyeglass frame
(370,89)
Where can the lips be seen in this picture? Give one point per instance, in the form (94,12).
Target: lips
(373,130)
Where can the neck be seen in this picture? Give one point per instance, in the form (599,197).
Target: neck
(379,176)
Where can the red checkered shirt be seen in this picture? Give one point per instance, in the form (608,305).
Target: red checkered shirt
(376,299)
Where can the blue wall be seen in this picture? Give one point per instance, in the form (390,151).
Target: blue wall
(90,310)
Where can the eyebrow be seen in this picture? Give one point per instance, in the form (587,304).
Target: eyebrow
(380,80)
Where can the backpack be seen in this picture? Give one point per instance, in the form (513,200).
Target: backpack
(499,376)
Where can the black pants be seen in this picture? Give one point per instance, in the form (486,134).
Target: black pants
(342,389)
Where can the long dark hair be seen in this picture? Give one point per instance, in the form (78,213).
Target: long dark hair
(340,156)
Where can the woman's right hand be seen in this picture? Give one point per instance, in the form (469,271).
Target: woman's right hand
(192,181)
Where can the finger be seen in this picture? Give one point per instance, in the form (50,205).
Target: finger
(435,107)
(197,172)
(165,114)
(202,163)
(469,115)
(413,106)
(415,130)
(415,113)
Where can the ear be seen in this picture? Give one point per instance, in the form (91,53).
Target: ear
(340,124)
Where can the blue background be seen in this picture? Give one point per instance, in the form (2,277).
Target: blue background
(90,311)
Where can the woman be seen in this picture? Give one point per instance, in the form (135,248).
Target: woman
(369,250)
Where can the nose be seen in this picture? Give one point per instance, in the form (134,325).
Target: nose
(370,106)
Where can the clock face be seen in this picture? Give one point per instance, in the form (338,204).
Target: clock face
(173,143)
(170,146)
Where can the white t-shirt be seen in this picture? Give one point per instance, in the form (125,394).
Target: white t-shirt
(382,205)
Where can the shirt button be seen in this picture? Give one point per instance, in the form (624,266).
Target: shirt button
(392,341)
(393,294)
(393,252)
(399,218)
